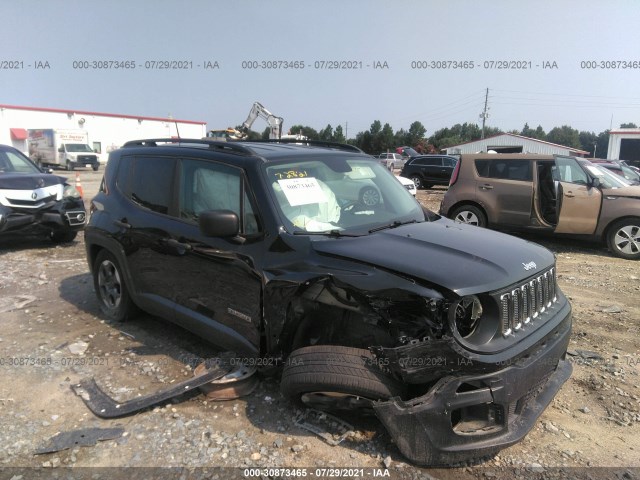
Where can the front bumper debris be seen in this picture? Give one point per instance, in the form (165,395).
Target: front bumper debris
(467,417)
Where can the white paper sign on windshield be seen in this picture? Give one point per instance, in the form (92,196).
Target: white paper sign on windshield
(302,191)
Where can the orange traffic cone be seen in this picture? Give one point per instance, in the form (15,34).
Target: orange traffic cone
(79,185)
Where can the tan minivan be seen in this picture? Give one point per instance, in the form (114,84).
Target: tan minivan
(558,194)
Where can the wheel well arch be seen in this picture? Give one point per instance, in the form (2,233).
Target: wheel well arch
(464,203)
(607,229)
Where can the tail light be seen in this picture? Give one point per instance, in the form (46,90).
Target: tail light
(454,175)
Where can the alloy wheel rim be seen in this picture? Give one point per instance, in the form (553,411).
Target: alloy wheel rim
(109,284)
(627,239)
(467,217)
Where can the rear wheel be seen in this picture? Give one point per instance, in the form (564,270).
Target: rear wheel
(111,289)
(417,180)
(337,378)
(470,215)
(623,238)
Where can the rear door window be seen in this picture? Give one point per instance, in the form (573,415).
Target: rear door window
(147,181)
(506,169)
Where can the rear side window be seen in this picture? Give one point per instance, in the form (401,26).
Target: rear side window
(147,181)
(428,162)
(505,169)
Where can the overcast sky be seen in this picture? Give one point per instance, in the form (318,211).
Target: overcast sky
(364,32)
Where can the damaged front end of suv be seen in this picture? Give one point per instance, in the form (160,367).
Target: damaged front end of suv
(471,343)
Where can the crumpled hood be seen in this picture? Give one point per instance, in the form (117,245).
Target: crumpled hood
(21,181)
(462,258)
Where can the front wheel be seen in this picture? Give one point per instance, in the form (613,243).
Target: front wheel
(623,238)
(417,180)
(470,215)
(95,167)
(337,378)
(68,166)
(111,289)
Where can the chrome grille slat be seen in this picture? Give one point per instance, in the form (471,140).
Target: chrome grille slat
(527,301)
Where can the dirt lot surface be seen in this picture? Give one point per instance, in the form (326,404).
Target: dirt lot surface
(52,335)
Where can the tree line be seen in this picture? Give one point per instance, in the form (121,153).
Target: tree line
(381,138)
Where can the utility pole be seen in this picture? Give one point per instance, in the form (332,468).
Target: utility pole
(484,115)
(346,130)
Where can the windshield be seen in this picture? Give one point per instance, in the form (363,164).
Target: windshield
(630,175)
(78,147)
(15,162)
(340,195)
(607,179)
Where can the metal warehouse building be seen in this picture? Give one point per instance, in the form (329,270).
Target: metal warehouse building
(624,144)
(512,143)
(106,131)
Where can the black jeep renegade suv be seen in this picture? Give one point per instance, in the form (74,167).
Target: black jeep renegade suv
(454,335)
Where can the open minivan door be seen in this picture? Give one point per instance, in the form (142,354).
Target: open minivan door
(578,199)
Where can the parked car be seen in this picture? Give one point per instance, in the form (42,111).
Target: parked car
(457,344)
(35,202)
(544,193)
(429,170)
(391,160)
(619,169)
(408,184)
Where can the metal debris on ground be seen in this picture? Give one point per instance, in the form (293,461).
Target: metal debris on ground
(104,406)
(85,437)
(332,430)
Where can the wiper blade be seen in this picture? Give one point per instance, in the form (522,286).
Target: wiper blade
(329,233)
(394,224)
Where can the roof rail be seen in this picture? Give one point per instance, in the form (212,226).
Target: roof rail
(212,144)
(314,143)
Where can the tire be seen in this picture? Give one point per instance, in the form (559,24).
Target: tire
(111,289)
(62,237)
(470,215)
(68,166)
(623,238)
(95,167)
(417,180)
(336,378)
(370,196)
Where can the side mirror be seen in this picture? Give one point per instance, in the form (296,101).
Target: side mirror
(219,223)
(596,182)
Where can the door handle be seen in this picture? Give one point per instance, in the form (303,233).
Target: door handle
(486,187)
(569,194)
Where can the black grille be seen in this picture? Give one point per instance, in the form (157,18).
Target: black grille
(527,301)
(32,203)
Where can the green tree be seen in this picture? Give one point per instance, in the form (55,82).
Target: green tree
(628,125)
(588,141)
(416,134)
(308,132)
(338,135)
(564,135)
(326,133)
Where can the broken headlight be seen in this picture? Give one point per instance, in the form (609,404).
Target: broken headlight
(465,315)
(70,192)
(474,319)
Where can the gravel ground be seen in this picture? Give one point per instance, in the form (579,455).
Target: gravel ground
(52,336)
